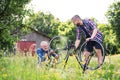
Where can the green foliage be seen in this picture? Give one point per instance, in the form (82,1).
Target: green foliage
(67,29)
(12,13)
(44,22)
(109,42)
(113,15)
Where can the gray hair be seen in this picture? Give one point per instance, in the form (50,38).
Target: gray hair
(43,43)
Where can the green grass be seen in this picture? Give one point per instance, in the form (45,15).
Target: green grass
(25,68)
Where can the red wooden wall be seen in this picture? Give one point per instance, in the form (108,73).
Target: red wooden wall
(24,46)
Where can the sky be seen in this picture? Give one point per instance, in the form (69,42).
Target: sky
(66,9)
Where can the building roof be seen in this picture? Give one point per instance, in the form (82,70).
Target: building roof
(41,33)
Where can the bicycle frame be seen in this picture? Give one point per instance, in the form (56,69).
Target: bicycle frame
(68,54)
(78,60)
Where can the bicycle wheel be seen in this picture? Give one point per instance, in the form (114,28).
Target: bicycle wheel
(92,59)
(59,45)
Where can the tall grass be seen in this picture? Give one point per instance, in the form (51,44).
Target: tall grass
(25,68)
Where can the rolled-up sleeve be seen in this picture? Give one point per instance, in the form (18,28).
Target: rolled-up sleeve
(78,33)
(40,53)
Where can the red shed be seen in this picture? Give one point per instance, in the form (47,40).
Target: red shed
(25,46)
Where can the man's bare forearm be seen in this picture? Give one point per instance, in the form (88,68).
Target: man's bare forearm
(77,42)
(94,33)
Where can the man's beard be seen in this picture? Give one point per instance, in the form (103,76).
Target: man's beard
(78,24)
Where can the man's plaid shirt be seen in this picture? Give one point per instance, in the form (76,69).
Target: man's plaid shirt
(89,26)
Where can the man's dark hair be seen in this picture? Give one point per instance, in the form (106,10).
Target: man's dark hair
(76,17)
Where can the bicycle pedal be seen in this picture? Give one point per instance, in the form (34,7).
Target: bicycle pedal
(91,54)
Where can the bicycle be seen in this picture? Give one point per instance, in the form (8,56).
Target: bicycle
(65,48)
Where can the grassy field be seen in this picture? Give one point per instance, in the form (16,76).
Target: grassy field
(25,68)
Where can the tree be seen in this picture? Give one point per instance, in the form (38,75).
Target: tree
(12,13)
(113,15)
(44,22)
(67,29)
(109,38)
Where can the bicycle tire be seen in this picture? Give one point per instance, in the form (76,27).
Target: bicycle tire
(58,44)
(93,63)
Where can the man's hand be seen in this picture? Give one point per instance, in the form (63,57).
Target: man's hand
(88,39)
(46,55)
(52,51)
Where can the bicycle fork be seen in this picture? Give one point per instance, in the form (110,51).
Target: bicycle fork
(85,66)
(66,61)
